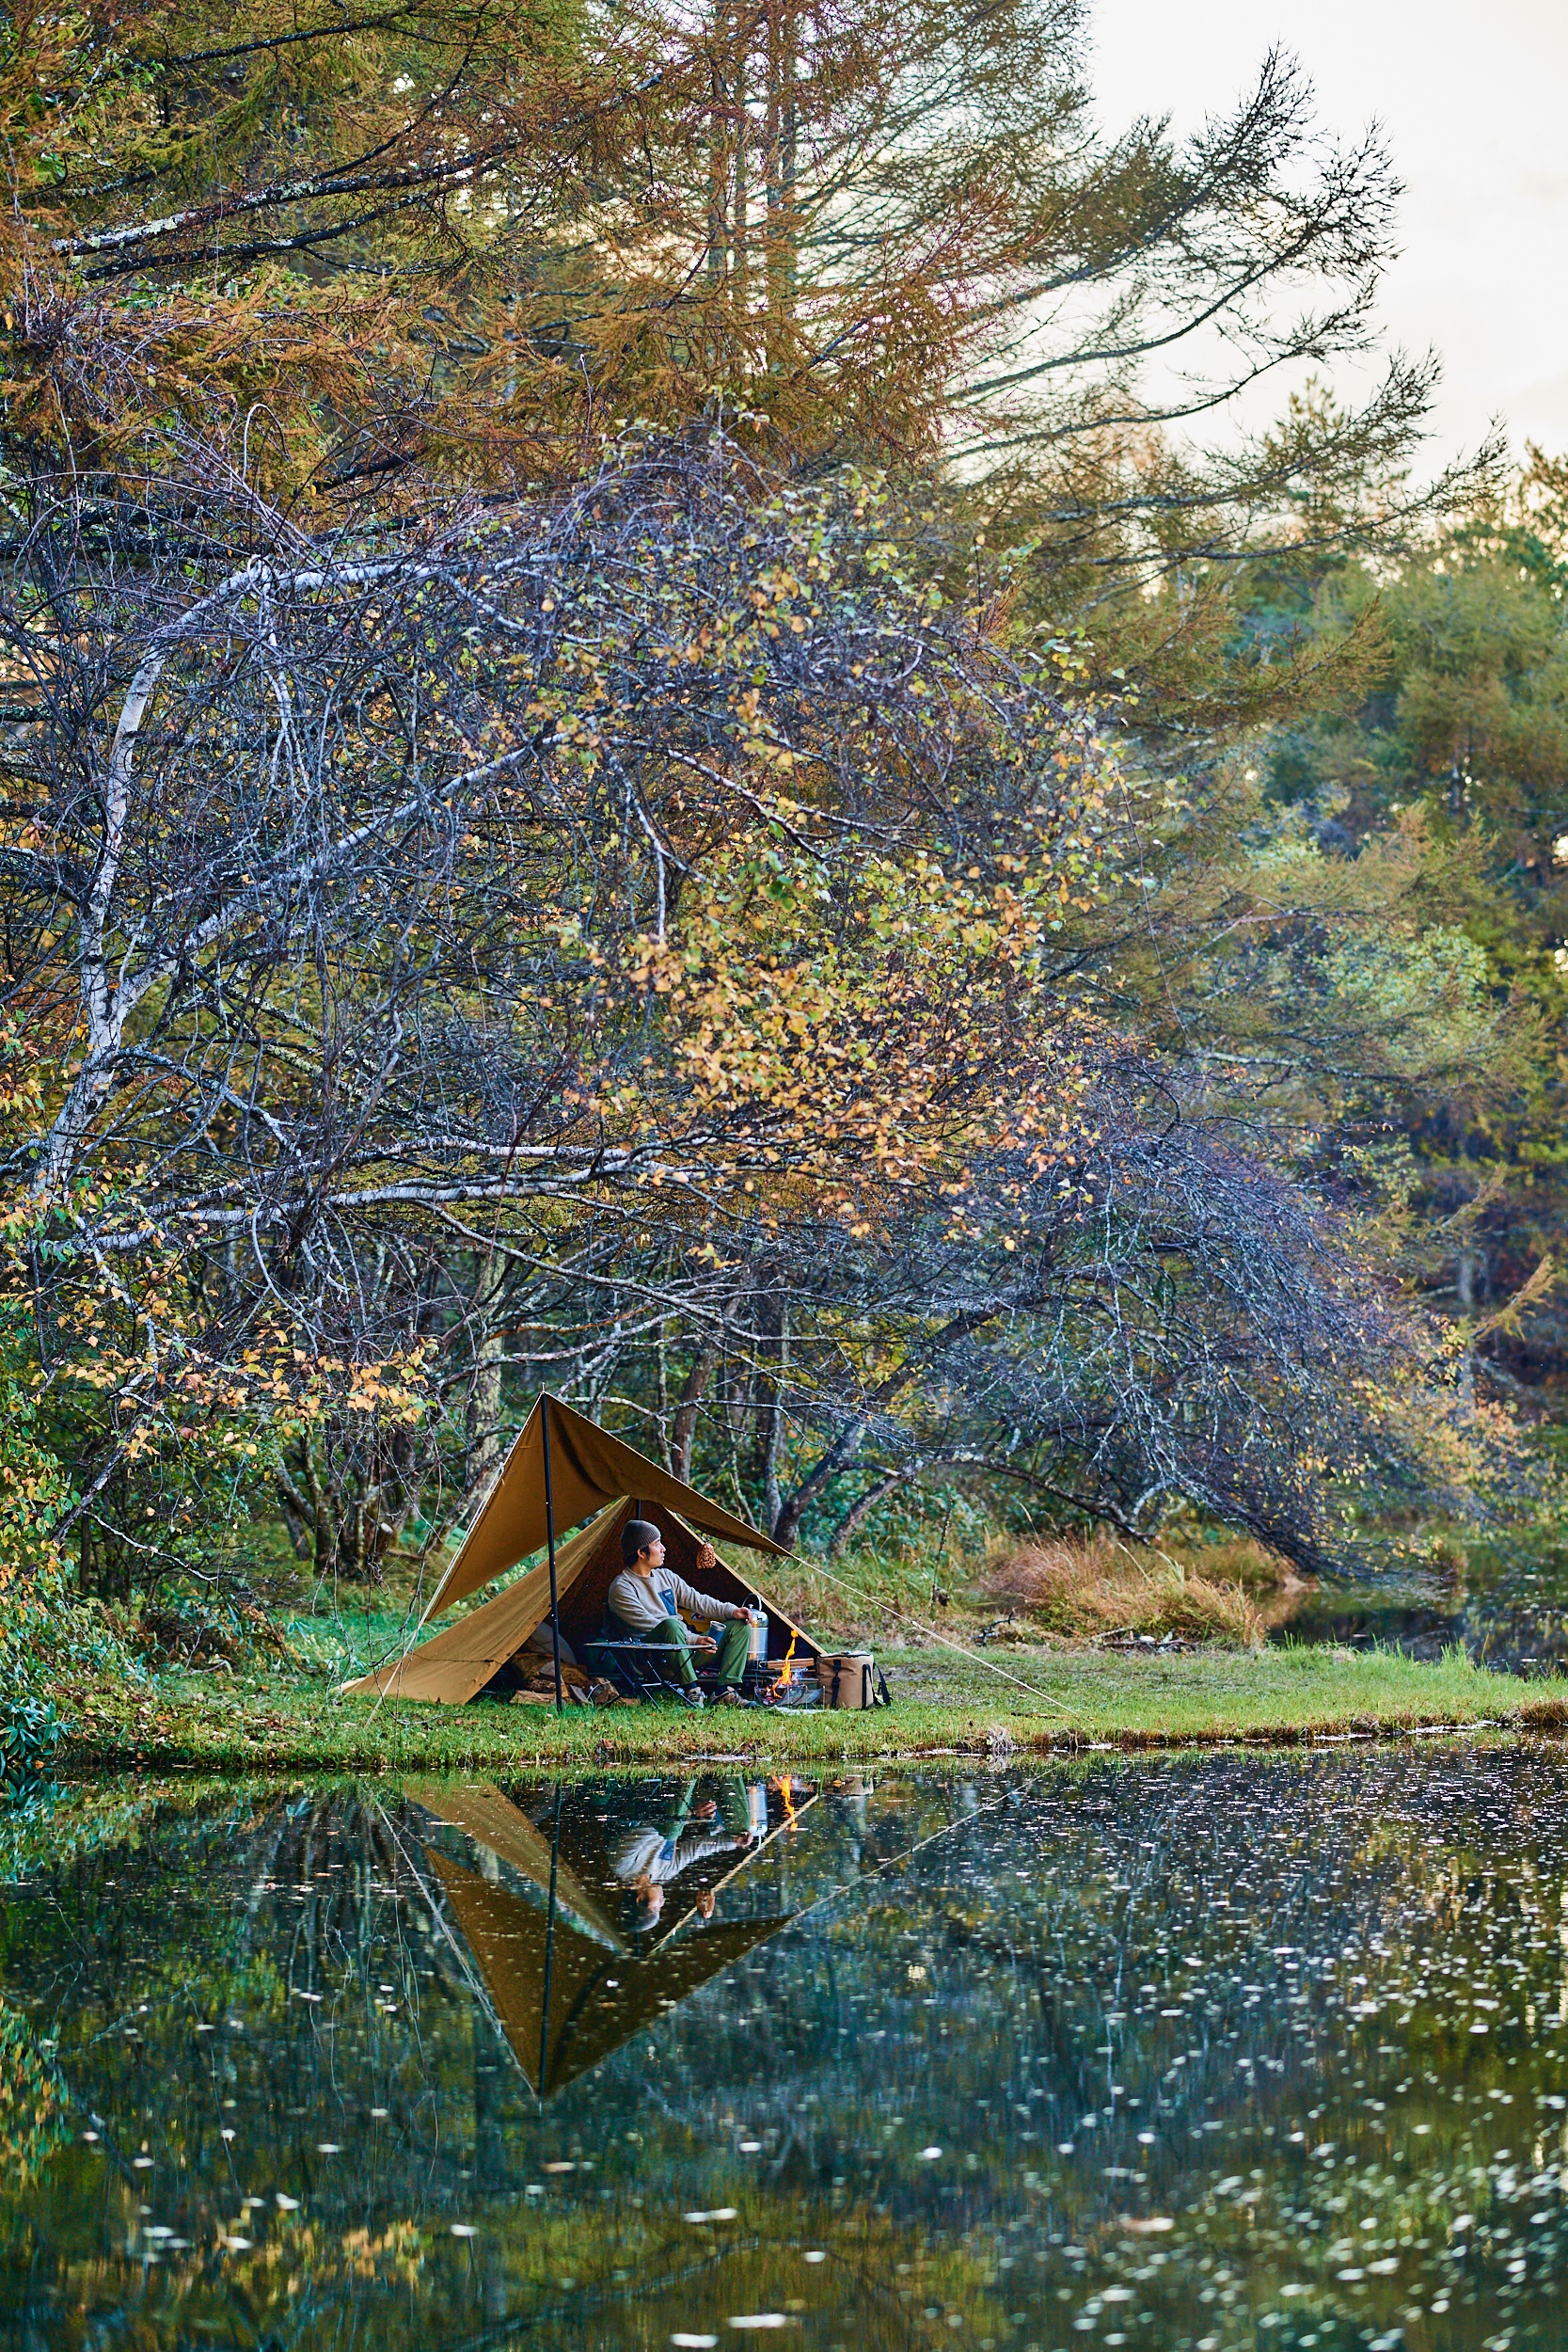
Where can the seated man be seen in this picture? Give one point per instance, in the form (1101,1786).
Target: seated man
(648,1598)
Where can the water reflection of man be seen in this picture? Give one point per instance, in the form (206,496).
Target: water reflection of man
(646,1859)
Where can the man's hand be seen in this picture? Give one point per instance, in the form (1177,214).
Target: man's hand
(705,1811)
(706,1558)
(703,1642)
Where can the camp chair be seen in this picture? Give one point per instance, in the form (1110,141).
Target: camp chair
(639,1670)
(645,1670)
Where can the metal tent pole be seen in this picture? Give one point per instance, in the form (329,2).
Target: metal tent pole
(549,1539)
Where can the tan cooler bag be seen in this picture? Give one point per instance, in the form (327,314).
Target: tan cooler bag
(848,1680)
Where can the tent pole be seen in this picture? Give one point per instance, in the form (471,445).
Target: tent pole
(549,1539)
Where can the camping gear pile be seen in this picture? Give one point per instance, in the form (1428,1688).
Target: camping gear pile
(561,1469)
(535,1685)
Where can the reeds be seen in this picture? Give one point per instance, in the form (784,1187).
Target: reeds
(1086,1585)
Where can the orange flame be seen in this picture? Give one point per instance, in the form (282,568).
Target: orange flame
(781,1681)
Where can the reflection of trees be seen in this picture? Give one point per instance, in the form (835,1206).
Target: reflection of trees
(32,2121)
(965,1990)
(230,1921)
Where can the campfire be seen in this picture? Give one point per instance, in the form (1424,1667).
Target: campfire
(786,1668)
(791,1678)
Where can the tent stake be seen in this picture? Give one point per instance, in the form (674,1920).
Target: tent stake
(549,1539)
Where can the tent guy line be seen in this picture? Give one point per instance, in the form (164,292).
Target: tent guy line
(858,1885)
(975,1658)
(436,1906)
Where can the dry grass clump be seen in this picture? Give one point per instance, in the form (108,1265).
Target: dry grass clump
(1236,1560)
(1099,1584)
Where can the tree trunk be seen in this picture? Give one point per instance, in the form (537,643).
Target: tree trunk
(778,139)
(684,1429)
(298,1515)
(1465,1285)
(859,1511)
(773,1321)
(484,1395)
(323,1517)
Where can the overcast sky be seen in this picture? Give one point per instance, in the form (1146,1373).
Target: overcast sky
(1474,102)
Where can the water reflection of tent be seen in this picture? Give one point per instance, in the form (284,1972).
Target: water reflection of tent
(565,1998)
(592,1472)
(562,1999)
(481,1813)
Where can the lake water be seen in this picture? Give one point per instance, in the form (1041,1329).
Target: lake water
(1507,1607)
(1208,2051)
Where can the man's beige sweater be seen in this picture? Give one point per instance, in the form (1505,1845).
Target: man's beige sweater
(637,1600)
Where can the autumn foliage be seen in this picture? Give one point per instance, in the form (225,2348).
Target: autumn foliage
(496,888)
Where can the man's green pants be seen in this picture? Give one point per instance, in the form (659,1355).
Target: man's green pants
(734,1645)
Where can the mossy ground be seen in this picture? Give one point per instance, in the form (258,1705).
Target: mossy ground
(1041,1700)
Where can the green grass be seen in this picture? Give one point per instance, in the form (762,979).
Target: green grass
(943,1702)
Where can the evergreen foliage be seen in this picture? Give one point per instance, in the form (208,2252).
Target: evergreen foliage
(1460,749)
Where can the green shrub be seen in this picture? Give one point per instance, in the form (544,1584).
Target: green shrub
(31,1730)
(56,1651)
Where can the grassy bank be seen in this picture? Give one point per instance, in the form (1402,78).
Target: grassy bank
(1026,1593)
(1073,1698)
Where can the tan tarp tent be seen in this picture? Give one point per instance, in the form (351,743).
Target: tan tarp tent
(590,1471)
(566,1999)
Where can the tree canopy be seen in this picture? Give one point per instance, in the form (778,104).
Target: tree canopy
(628,698)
